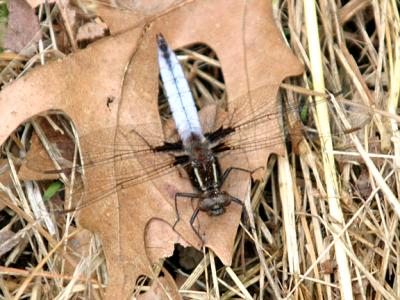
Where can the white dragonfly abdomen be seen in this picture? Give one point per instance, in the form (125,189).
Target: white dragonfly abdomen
(178,92)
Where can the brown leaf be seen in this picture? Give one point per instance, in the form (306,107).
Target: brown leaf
(23,27)
(37,160)
(123,67)
(79,246)
(8,240)
(363,183)
(5,177)
(328,266)
(36,156)
(163,288)
(92,31)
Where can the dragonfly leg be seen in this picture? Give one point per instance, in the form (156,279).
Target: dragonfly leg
(237,200)
(230,169)
(182,195)
(245,215)
(192,219)
(240,202)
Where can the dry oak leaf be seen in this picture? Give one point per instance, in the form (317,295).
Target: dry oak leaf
(124,67)
(91,31)
(163,288)
(23,27)
(8,240)
(37,160)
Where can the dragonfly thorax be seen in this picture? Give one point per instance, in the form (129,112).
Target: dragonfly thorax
(198,148)
(204,166)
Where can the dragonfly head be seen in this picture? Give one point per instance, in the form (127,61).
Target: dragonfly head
(215,203)
(216,210)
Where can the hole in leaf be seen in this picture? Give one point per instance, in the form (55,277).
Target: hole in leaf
(142,285)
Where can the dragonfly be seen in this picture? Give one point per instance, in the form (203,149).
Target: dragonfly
(203,166)
(197,151)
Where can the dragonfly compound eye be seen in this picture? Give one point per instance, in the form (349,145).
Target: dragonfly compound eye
(217,210)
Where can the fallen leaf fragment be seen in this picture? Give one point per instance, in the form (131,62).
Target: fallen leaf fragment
(363,183)
(328,266)
(8,240)
(37,161)
(163,288)
(5,177)
(79,247)
(91,32)
(23,28)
